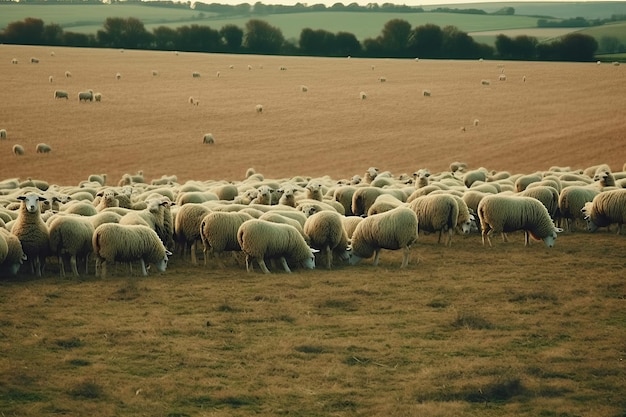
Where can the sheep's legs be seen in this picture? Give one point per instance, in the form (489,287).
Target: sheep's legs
(329,257)
(61,267)
(283,262)
(194,260)
(73,265)
(262,265)
(376,257)
(144,271)
(405,256)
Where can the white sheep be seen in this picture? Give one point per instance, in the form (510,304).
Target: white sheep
(34,60)
(3,133)
(195,74)
(548,196)
(187,228)
(503,213)
(61,94)
(50,79)
(437,213)
(157,216)
(426,93)
(382,79)
(155,73)
(14,256)
(97,97)
(85,95)
(572,199)
(208,139)
(118,76)
(485,82)
(106,198)
(325,232)
(394,229)
(502,77)
(114,242)
(43,148)
(259,108)
(71,236)
(304,88)
(363,95)
(99,178)
(421,178)
(260,239)
(607,208)
(14,61)
(218,231)
(68,74)
(194,101)
(32,231)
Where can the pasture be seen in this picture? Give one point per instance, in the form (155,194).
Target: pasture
(464,330)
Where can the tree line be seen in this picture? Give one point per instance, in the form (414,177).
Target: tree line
(398,39)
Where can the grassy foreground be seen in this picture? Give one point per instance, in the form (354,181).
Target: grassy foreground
(465,330)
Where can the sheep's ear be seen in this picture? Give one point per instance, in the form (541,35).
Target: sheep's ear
(22,197)
(168,253)
(314,250)
(42,198)
(99,193)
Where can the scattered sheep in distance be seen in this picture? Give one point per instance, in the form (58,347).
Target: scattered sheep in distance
(18,150)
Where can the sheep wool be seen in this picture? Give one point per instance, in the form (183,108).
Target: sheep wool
(32,231)
(218,231)
(260,239)
(128,243)
(571,202)
(504,213)
(394,229)
(14,256)
(325,232)
(437,213)
(607,207)
(187,228)
(70,236)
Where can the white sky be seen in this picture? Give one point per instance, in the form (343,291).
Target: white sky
(429,3)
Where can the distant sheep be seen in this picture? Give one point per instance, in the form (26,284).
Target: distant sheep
(382,79)
(363,95)
(208,139)
(259,108)
(68,74)
(3,133)
(394,229)
(485,82)
(194,101)
(85,95)
(260,239)
(34,60)
(426,93)
(61,94)
(113,242)
(155,73)
(118,76)
(195,74)
(32,231)
(607,208)
(502,77)
(18,150)
(50,78)
(304,88)
(476,121)
(43,148)
(14,61)
(502,214)
(97,97)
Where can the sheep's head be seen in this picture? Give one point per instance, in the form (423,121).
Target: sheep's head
(31,202)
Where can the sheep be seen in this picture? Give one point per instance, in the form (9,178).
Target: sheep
(548,196)
(485,82)
(97,97)
(50,79)
(394,229)
(187,231)
(260,239)
(364,197)
(502,77)
(421,178)
(571,201)
(343,195)
(99,178)
(350,223)
(426,93)
(263,196)
(194,101)
(218,232)
(383,202)
(304,88)
(259,108)
(437,213)
(157,216)
(314,190)
(106,198)
(3,133)
(14,61)
(43,148)
(458,167)
(524,180)
(363,95)
(61,94)
(118,76)
(85,96)
(195,74)
(606,208)
(208,139)
(128,243)
(325,232)
(14,256)
(68,74)
(155,73)
(18,150)
(34,60)
(71,236)
(32,231)
(287,196)
(503,214)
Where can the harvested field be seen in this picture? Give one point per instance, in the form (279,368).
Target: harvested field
(463,330)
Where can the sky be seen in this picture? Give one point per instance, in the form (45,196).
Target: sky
(458,3)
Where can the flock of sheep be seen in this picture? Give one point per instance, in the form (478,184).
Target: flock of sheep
(289,223)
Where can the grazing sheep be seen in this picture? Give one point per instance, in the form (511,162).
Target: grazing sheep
(97,97)
(343,195)
(426,93)
(114,242)
(85,96)
(485,82)
(34,60)
(548,196)
(503,214)
(61,94)
(382,79)
(607,208)
(50,79)
(99,178)
(383,203)
(157,216)
(187,228)
(524,180)
(304,88)
(68,74)
(118,76)
(155,73)
(260,239)
(32,231)
(364,197)
(194,101)
(502,77)
(71,236)
(3,133)
(350,223)
(14,255)
(476,121)
(195,74)
(208,139)
(259,108)
(218,232)
(325,232)
(363,95)
(572,200)
(394,229)
(43,148)
(437,213)
(14,61)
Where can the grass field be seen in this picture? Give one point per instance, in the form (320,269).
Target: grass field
(465,330)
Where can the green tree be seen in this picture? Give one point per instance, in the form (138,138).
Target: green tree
(262,38)
(317,42)
(124,33)
(346,44)
(53,34)
(395,37)
(29,31)
(577,47)
(165,38)
(232,36)
(426,41)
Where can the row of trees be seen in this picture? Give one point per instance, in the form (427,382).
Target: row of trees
(397,40)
